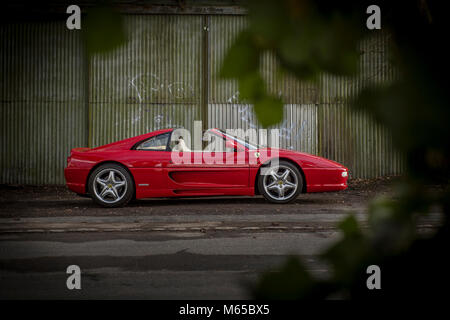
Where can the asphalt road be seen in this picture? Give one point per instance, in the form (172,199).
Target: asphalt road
(162,266)
(211,248)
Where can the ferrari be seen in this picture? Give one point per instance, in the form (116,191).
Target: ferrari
(161,164)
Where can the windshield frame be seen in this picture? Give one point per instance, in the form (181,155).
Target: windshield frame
(246,144)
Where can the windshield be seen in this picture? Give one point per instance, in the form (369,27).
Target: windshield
(248,145)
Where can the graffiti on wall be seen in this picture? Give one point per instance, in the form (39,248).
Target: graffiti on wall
(147,85)
(289,129)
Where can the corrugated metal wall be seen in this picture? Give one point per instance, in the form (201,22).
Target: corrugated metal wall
(53,99)
(225,110)
(43,105)
(152,82)
(318,119)
(352,137)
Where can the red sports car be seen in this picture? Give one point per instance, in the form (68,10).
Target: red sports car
(159,164)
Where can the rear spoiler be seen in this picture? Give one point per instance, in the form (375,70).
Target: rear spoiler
(79,150)
(75,151)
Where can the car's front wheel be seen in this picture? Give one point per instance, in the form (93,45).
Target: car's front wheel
(280,183)
(111,185)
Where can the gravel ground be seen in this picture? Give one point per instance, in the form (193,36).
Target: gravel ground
(185,248)
(50,201)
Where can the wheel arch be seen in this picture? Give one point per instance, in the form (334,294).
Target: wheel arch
(287,160)
(111,162)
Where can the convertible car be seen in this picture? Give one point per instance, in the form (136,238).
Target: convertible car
(160,164)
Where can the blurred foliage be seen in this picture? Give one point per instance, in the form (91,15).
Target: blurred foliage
(312,37)
(309,38)
(305,40)
(103,29)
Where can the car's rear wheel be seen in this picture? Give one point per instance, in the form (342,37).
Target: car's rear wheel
(280,183)
(111,185)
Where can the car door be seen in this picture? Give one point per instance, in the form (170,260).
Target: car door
(150,160)
(215,172)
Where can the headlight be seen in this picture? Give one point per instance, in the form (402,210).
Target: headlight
(344,174)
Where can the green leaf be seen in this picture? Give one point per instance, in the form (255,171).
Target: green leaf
(269,20)
(347,257)
(269,110)
(337,46)
(296,48)
(291,281)
(251,87)
(103,30)
(349,226)
(241,59)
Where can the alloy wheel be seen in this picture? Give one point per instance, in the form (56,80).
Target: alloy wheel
(110,185)
(280,183)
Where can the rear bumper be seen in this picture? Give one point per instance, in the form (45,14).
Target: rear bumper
(77,188)
(76,179)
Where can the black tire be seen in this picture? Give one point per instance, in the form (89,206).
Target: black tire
(294,177)
(111,187)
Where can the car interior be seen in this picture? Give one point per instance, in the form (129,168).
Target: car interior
(211,142)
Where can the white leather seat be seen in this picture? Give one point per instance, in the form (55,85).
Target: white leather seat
(181,146)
